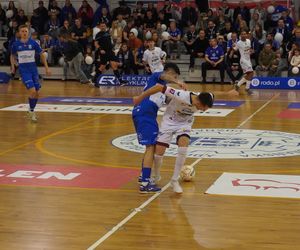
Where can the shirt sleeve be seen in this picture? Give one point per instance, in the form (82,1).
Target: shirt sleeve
(179,95)
(145,57)
(37,48)
(14,49)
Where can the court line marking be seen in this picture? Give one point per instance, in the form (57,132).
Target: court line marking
(153,197)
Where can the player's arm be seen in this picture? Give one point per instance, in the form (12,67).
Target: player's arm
(153,90)
(220,60)
(13,63)
(45,63)
(171,79)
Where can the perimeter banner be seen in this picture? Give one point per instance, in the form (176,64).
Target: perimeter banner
(290,83)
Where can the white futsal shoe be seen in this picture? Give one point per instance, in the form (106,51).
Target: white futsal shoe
(32,116)
(176,187)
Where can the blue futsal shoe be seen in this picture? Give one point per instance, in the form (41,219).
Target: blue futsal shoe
(149,188)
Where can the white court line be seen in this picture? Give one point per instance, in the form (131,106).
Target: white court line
(153,197)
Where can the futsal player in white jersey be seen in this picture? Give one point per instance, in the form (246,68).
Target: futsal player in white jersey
(244,47)
(177,121)
(154,57)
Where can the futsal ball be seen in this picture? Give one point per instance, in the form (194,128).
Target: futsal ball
(187,173)
(278,37)
(271,9)
(134,31)
(61,61)
(148,35)
(295,70)
(9,14)
(88,60)
(164,27)
(229,36)
(165,35)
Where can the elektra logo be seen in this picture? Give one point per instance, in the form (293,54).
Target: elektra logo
(107,80)
(227,144)
(255,82)
(292,83)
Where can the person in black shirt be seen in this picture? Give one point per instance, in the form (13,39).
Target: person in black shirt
(126,60)
(189,38)
(108,57)
(79,33)
(189,15)
(233,65)
(199,47)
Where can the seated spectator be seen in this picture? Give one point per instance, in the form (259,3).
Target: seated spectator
(88,68)
(68,12)
(50,45)
(291,53)
(21,18)
(126,60)
(222,43)
(117,45)
(226,30)
(189,38)
(134,43)
(234,39)
(295,61)
(2,20)
(127,29)
(295,39)
(189,15)
(42,16)
(162,18)
(242,10)
(214,59)
(79,33)
(276,15)
(174,40)
(282,29)
(30,28)
(86,13)
(274,44)
(233,65)
(240,24)
(260,35)
(66,29)
(53,8)
(278,65)
(199,47)
(139,55)
(121,22)
(266,57)
(140,8)
(288,21)
(176,13)
(149,21)
(115,30)
(12,7)
(255,48)
(167,9)
(123,10)
(211,31)
(261,11)
(255,20)
(105,16)
(53,26)
(99,13)
(153,9)
(228,12)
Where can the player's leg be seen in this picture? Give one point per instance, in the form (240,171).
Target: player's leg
(249,76)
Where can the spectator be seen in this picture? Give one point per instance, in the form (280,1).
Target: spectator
(35,21)
(140,9)
(276,15)
(199,47)
(138,20)
(100,15)
(288,21)
(167,9)
(149,21)
(68,12)
(30,28)
(266,57)
(11,6)
(127,29)
(243,10)
(283,30)
(86,13)
(65,29)
(222,43)
(174,40)
(221,19)
(240,23)
(226,30)
(123,10)
(233,65)
(105,16)
(2,20)
(214,59)
(278,65)
(126,60)
(134,43)
(152,9)
(254,21)
(211,31)
(156,39)
(12,30)
(292,51)
(255,48)
(121,22)
(176,14)
(261,11)
(260,35)
(139,55)
(295,38)
(234,39)
(53,8)
(50,45)
(79,33)
(117,45)
(21,18)
(228,12)
(53,26)
(189,15)
(42,16)
(274,44)
(189,38)
(115,30)
(295,61)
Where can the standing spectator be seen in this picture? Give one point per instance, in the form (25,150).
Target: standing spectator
(86,13)
(211,31)
(266,57)
(42,15)
(189,38)
(2,20)
(214,59)
(21,18)
(174,40)
(126,60)
(68,12)
(199,47)
(123,10)
(79,33)
(243,10)
(65,29)
(189,15)
(228,12)
(53,8)
(295,61)
(233,65)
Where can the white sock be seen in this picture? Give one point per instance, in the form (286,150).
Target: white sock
(241,82)
(181,155)
(158,159)
(248,83)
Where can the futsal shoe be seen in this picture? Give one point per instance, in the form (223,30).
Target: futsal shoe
(149,188)
(236,87)
(176,187)
(32,116)
(249,91)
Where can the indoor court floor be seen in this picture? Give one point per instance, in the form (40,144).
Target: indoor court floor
(69,181)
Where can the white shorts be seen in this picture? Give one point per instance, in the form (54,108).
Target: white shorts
(246,66)
(166,134)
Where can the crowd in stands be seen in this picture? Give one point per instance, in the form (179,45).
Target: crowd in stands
(210,35)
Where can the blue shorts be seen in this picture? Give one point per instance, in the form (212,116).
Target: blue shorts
(146,129)
(31,80)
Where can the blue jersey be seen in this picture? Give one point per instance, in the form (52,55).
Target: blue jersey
(175,33)
(25,53)
(214,54)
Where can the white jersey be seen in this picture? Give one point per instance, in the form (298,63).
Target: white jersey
(180,110)
(154,59)
(244,48)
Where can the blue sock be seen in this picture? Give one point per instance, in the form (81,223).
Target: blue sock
(35,101)
(146,173)
(32,103)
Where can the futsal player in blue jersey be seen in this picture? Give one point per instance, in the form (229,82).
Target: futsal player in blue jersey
(144,117)
(24,51)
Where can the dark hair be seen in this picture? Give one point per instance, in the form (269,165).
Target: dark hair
(206,98)
(172,66)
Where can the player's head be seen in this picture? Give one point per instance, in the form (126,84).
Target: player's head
(23,32)
(172,68)
(244,35)
(205,101)
(151,43)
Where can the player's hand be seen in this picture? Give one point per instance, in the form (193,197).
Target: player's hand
(48,72)
(13,70)
(136,100)
(182,85)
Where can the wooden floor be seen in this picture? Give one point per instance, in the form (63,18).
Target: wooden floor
(68,218)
